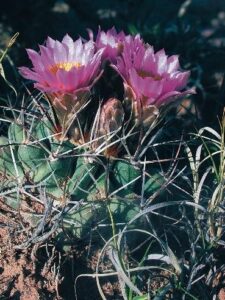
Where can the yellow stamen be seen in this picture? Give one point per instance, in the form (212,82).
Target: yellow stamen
(67,66)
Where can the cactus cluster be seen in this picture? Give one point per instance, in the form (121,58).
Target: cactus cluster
(85,185)
(88,156)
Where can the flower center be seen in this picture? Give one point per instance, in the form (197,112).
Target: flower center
(145,74)
(67,66)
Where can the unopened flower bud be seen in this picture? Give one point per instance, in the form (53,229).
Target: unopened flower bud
(109,123)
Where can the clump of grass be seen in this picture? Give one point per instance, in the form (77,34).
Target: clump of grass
(179,254)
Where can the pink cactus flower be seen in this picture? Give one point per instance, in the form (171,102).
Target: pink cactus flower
(111,42)
(64,67)
(149,77)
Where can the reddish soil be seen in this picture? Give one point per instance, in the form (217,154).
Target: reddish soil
(40,271)
(25,275)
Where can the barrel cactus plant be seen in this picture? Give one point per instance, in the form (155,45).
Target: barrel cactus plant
(86,155)
(86,185)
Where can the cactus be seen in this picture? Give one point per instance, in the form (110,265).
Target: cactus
(95,184)
(88,157)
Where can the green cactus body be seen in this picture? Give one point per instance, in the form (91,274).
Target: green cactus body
(82,178)
(102,199)
(127,178)
(39,160)
(100,192)
(153,182)
(9,163)
(93,216)
(31,157)
(16,133)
